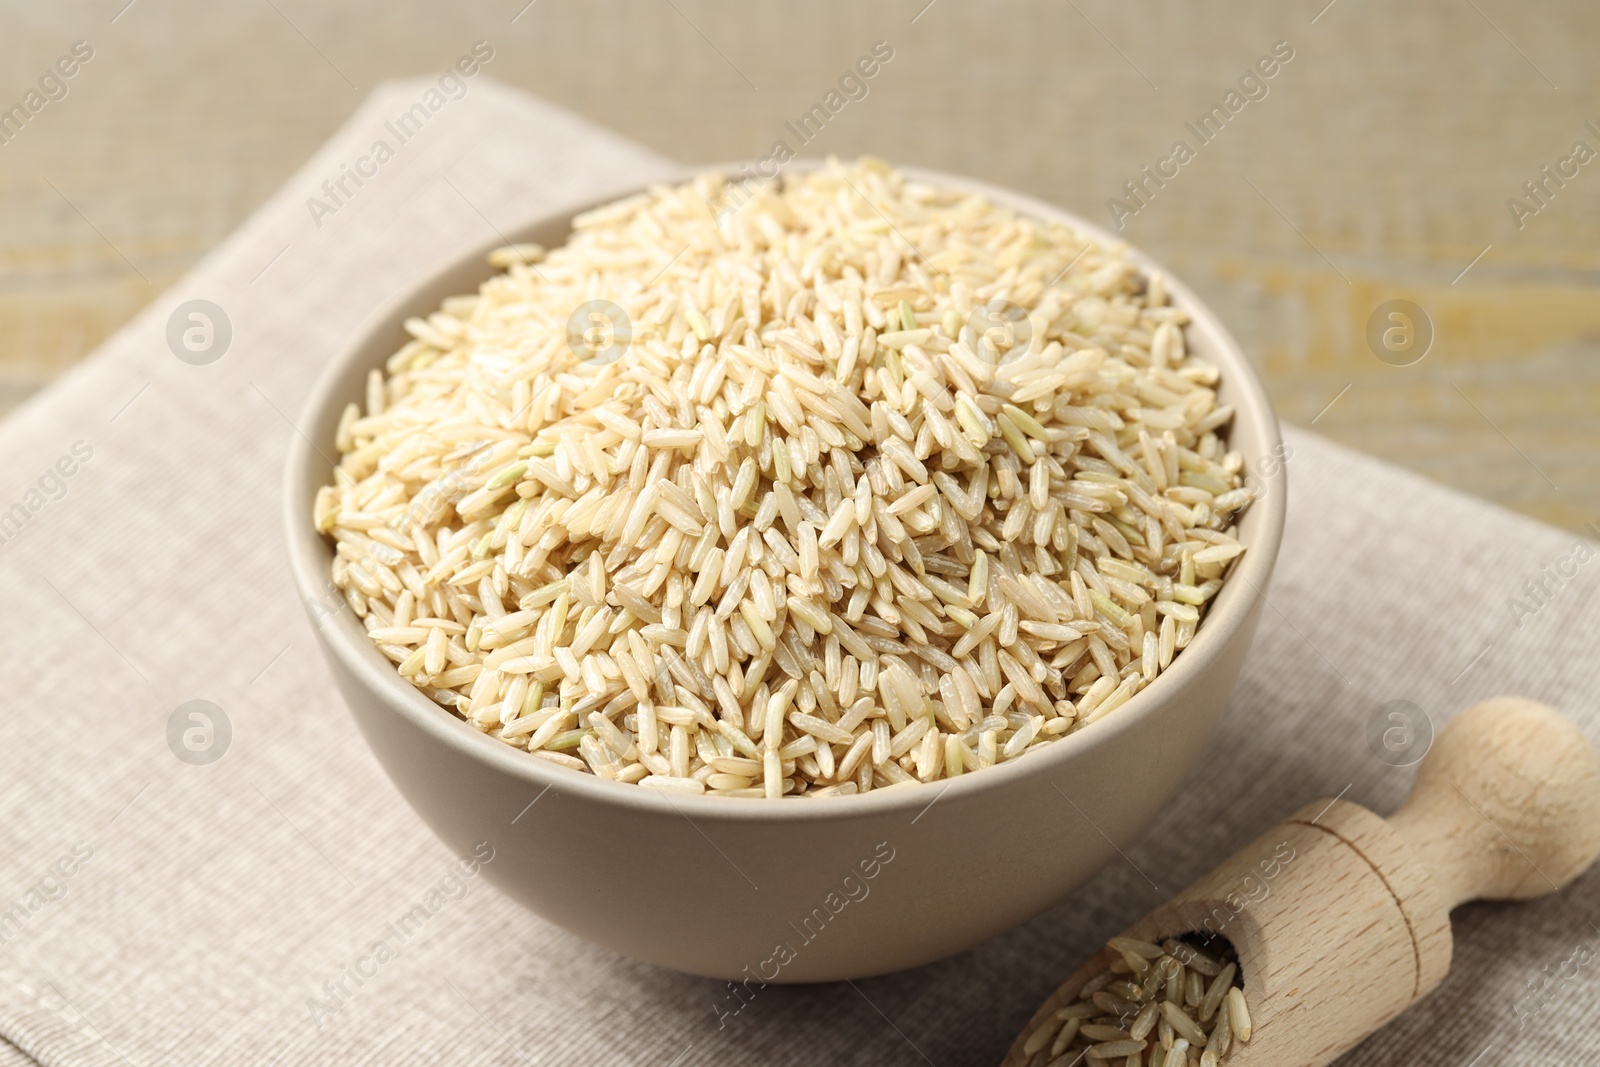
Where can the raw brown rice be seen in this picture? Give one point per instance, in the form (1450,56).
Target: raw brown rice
(889,484)
(1166,1005)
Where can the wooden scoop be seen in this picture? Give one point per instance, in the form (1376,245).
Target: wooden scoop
(1341,919)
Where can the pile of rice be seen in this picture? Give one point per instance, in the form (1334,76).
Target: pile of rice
(889,484)
(1166,1005)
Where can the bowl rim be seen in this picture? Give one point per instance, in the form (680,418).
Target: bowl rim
(343,637)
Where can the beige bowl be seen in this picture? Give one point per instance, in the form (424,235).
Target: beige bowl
(789,891)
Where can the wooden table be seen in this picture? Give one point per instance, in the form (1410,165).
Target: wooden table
(1377,166)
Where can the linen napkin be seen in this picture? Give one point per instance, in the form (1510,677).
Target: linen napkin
(160,904)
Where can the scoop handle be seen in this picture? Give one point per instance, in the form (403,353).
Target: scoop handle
(1506,804)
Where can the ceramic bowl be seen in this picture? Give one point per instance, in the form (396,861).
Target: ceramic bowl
(799,890)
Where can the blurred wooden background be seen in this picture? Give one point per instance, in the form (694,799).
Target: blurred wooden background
(1378,166)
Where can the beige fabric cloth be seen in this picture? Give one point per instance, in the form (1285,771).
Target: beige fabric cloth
(215,901)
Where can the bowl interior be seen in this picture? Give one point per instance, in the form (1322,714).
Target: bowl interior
(1254,433)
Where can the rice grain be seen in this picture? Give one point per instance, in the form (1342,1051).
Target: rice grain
(1139,997)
